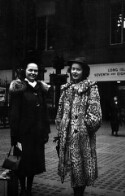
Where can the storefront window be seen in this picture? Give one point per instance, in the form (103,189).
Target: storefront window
(45,33)
(45,13)
(117,22)
(124,21)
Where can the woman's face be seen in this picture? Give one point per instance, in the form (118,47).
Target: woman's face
(32,72)
(76,72)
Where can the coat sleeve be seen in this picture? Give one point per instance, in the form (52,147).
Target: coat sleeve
(93,117)
(60,111)
(48,131)
(14,117)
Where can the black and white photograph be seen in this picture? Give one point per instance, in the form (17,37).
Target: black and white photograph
(62,97)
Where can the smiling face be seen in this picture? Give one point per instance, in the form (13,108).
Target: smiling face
(32,72)
(76,72)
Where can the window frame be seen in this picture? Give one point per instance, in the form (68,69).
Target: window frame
(122,23)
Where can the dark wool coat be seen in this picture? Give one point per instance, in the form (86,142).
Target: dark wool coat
(29,124)
(78,118)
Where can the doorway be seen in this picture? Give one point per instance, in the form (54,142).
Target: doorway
(107,90)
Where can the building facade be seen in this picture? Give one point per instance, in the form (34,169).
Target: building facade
(43,29)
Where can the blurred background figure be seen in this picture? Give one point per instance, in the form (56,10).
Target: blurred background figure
(115,115)
(20,74)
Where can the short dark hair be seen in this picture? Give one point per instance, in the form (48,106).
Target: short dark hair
(84,65)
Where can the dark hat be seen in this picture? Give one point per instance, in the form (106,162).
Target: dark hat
(80,60)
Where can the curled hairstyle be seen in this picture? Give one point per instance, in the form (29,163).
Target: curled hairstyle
(84,65)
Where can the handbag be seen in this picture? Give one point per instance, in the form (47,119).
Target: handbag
(11,162)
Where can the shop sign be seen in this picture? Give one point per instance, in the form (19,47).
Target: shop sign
(107,72)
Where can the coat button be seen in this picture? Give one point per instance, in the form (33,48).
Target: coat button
(75,131)
(76,116)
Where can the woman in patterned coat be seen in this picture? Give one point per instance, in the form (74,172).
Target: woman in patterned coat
(78,118)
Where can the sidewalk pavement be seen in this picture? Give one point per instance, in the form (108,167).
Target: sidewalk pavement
(111,165)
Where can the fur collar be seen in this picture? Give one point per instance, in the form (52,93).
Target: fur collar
(18,85)
(80,87)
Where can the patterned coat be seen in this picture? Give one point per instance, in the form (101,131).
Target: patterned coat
(78,118)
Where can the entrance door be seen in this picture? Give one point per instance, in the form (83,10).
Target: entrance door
(107,90)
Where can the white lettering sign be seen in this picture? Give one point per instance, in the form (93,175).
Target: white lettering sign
(107,72)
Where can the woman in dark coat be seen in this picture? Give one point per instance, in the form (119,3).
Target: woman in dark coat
(29,125)
(78,118)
